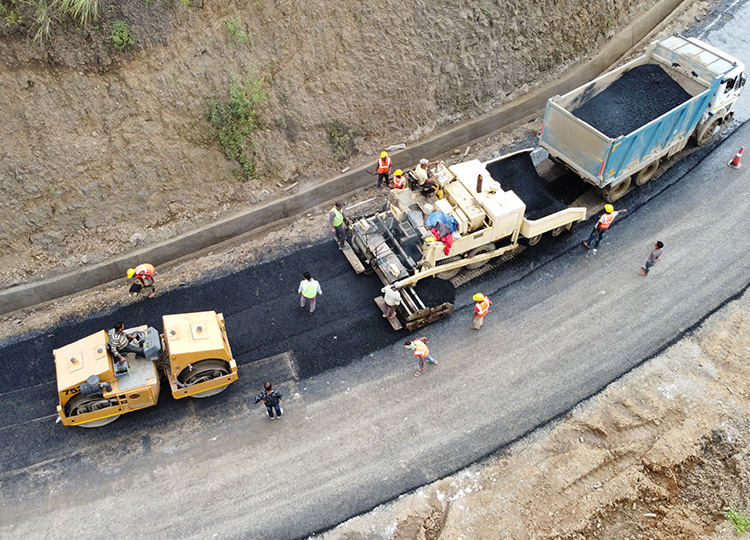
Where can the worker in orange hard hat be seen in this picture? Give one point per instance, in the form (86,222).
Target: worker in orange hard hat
(145,273)
(605,221)
(481,308)
(383,169)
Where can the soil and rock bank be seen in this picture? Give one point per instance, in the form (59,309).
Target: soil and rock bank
(103,152)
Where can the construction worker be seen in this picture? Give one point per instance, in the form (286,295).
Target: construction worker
(422,352)
(145,273)
(308,289)
(604,223)
(392,299)
(425,180)
(336,219)
(383,169)
(120,342)
(481,308)
(399,180)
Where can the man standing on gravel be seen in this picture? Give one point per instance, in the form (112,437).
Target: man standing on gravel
(420,350)
(308,289)
(271,399)
(336,219)
(601,226)
(481,308)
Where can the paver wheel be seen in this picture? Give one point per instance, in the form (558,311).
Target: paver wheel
(84,404)
(534,240)
(202,371)
(486,248)
(450,274)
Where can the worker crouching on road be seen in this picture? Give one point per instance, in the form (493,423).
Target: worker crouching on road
(481,308)
(336,219)
(383,169)
(145,273)
(604,223)
(422,352)
(271,398)
(309,289)
(399,180)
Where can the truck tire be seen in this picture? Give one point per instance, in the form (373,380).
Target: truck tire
(646,173)
(202,371)
(708,133)
(616,191)
(486,248)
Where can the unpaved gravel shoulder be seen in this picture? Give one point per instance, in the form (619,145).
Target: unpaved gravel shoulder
(661,453)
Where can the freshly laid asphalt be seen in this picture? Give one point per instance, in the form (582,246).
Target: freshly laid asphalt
(358,428)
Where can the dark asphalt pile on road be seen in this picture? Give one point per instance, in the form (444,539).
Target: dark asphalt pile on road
(639,96)
(517,173)
(435,291)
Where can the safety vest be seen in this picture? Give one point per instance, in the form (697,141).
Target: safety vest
(606,220)
(310,288)
(482,307)
(384,164)
(421,349)
(144,270)
(399,182)
(338,217)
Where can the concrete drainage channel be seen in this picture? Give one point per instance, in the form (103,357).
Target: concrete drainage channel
(24,296)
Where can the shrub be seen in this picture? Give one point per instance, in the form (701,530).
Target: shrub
(236,119)
(82,11)
(122,36)
(235,29)
(739,519)
(341,139)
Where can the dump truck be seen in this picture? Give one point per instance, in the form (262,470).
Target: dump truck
(95,388)
(460,225)
(617,128)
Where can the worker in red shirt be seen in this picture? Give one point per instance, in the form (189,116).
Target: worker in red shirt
(145,273)
(383,169)
(604,223)
(481,308)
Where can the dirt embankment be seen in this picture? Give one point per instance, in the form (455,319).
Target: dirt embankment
(660,454)
(104,151)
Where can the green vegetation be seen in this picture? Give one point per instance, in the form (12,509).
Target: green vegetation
(234,25)
(739,519)
(83,11)
(122,36)
(10,15)
(237,118)
(46,13)
(341,139)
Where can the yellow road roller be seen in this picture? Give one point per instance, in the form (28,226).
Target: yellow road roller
(95,387)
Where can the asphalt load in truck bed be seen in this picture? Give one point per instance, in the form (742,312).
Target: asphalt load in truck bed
(639,96)
(517,173)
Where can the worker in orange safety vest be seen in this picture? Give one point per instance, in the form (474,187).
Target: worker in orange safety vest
(422,352)
(481,308)
(384,169)
(145,273)
(604,223)
(399,180)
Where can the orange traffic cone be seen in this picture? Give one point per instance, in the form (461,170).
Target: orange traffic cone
(735,163)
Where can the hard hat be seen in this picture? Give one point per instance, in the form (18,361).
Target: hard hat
(609,208)
(131,272)
(478,297)
(399,172)
(383,154)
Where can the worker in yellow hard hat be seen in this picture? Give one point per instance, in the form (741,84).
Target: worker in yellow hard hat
(383,169)
(145,274)
(399,179)
(481,308)
(605,221)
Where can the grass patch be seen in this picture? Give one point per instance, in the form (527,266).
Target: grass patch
(739,519)
(234,25)
(122,36)
(236,119)
(341,139)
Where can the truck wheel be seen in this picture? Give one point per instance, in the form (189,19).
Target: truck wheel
(616,191)
(83,404)
(534,240)
(647,173)
(202,371)
(706,136)
(450,274)
(486,248)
